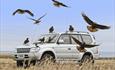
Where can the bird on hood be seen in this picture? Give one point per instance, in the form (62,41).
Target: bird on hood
(26,41)
(93,26)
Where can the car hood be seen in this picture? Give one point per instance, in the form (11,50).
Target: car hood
(46,45)
(25,46)
(39,45)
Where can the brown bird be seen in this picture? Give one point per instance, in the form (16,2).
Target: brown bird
(58,4)
(83,45)
(93,25)
(51,29)
(20,11)
(71,29)
(36,21)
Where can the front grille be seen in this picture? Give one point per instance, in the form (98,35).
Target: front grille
(23,50)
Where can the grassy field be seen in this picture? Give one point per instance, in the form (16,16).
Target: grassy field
(108,64)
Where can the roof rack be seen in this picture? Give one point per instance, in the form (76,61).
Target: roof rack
(77,32)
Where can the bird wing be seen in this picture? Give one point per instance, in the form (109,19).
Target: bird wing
(42,17)
(59,3)
(83,44)
(55,1)
(63,5)
(32,19)
(29,12)
(77,41)
(89,46)
(101,26)
(87,19)
(16,11)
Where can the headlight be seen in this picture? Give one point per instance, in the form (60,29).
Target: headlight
(35,49)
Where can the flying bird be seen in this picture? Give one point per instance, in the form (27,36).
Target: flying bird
(71,29)
(83,45)
(37,21)
(58,4)
(51,29)
(20,11)
(26,41)
(93,25)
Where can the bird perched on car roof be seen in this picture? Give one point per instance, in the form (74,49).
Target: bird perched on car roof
(37,21)
(51,29)
(58,4)
(20,11)
(71,29)
(93,25)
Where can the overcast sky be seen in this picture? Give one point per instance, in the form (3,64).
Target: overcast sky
(14,29)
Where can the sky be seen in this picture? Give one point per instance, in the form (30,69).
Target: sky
(14,29)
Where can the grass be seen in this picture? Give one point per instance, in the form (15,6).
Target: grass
(108,64)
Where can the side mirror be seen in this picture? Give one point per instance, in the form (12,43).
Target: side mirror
(60,41)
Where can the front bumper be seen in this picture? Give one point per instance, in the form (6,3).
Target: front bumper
(24,56)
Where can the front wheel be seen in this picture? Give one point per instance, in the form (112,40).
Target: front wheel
(19,63)
(47,58)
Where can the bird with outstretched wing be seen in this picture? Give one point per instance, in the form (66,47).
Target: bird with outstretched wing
(20,11)
(58,4)
(93,25)
(83,45)
(37,21)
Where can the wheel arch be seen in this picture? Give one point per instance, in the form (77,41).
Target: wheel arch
(48,52)
(88,53)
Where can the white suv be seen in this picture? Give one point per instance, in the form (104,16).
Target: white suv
(59,46)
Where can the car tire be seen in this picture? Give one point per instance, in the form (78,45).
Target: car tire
(33,62)
(47,58)
(19,63)
(86,59)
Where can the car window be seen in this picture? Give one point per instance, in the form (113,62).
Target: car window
(77,36)
(87,39)
(65,38)
(48,38)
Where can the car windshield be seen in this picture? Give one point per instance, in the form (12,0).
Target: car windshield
(48,38)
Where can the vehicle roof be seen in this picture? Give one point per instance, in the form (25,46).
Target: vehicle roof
(74,32)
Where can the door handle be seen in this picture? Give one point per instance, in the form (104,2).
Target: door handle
(69,48)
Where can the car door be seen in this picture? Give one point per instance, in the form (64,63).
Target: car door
(65,49)
(75,51)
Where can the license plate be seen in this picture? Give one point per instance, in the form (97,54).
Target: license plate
(20,55)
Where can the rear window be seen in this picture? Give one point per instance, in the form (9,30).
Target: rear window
(87,39)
